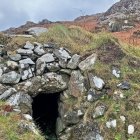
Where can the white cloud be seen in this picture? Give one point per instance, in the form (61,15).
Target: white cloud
(17,12)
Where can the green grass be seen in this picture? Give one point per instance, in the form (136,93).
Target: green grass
(75,38)
(10,130)
(131,50)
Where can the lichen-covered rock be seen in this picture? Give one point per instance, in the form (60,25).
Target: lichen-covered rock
(76,84)
(39,50)
(7,93)
(41,63)
(96,82)
(26,74)
(24,101)
(55,82)
(12,65)
(63,63)
(71,118)
(53,67)
(40,67)
(48,83)
(86,131)
(10,78)
(99,111)
(73,63)
(26,61)
(15,57)
(25,51)
(29,46)
(62,54)
(88,63)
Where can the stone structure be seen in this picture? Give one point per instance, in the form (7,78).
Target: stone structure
(39,69)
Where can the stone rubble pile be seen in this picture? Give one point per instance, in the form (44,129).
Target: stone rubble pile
(37,68)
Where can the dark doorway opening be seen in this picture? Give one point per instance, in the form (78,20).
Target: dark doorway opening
(45,113)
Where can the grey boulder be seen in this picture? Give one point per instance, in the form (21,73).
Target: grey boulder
(24,51)
(10,78)
(7,93)
(15,57)
(76,84)
(88,63)
(39,50)
(73,63)
(29,46)
(37,31)
(62,54)
(27,61)
(41,63)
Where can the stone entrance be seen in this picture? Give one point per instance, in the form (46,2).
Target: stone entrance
(45,113)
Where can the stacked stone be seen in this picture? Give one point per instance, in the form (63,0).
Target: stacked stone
(45,68)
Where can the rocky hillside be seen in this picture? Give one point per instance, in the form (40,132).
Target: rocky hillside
(123,10)
(70,85)
(125,7)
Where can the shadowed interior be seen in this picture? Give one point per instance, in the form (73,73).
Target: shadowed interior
(45,113)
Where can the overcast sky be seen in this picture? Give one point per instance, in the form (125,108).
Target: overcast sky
(14,13)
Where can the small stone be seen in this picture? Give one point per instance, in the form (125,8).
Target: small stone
(116,72)
(47,58)
(10,78)
(63,63)
(28,117)
(71,118)
(92,95)
(88,63)
(26,74)
(90,98)
(124,85)
(73,63)
(53,67)
(29,46)
(39,50)
(7,93)
(96,82)
(26,61)
(77,84)
(131,129)
(12,65)
(121,95)
(25,52)
(122,118)
(80,113)
(111,124)
(28,83)
(41,63)
(15,57)
(62,54)
(99,111)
